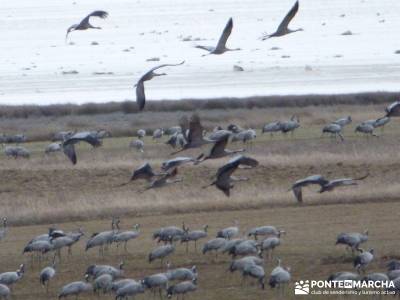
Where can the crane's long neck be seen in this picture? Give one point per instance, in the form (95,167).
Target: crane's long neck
(234,49)
(295,30)
(94,27)
(175,180)
(54,262)
(159,74)
(279,262)
(234,151)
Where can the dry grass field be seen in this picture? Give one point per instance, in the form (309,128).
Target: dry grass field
(122,119)
(47,190)
(308,248)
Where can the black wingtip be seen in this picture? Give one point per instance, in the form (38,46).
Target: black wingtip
(363,177)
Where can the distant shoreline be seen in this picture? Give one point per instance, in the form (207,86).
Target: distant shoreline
(129,107)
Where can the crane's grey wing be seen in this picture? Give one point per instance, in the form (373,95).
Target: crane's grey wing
(220,145)
(227,169)
(298,193)
(342,181)
(69,151)
(166,165)
(393,110)
(155,183)
(362,177)
(83,137)
(225,35)
(346,181)
(175,162)
(382,121)
(184,124)
(144,171)
(140,95)
(148,75)
(223,184)
(245,161)
(337,183)
(207,48)
(172,173)
(165,65)
(162,180)
(195,136)
(313,179)
(97,13)
(93,141)
(236,159)
(290,15)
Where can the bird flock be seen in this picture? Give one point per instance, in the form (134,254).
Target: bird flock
(252,253)
(190,134)
(218,49)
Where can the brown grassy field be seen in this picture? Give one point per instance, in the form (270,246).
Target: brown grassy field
(39,123)
(59,191)
(48,190)
(308,248)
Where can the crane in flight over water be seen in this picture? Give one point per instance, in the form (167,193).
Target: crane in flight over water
(140,95)
(221,45)
(85,24)
(283,28)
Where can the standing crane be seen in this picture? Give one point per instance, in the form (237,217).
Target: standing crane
(279,277)
(363,260)
(46,274)
(75,289)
